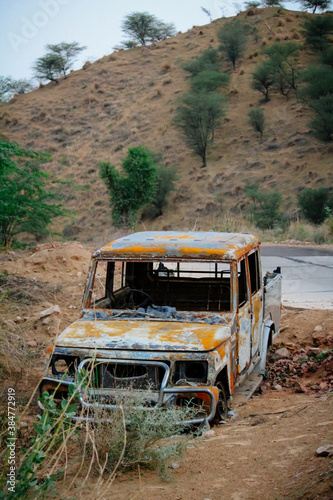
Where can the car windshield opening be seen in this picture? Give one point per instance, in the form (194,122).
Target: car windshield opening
(185,286)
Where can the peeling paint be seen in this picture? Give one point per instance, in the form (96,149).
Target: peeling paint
(220,343)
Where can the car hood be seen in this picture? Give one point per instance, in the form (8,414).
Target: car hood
(143,335)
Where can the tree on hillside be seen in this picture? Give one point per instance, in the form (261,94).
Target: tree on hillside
(208,60)
(145,28)
(265,208)
(209,81)
(9,87)
(48,67)
(27,195)
(317,32)
(315,4)
(68,53)
(283,61)
(313,203)
(165,184)
(257,120)
(131,188)
(271,3)
(4,87)
(263,79)
(233,40)
(198,116)
(318,94)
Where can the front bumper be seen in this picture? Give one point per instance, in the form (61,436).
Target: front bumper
(162,396)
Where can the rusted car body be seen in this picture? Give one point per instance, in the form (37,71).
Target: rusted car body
(185,317)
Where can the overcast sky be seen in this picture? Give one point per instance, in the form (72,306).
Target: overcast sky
(26,26)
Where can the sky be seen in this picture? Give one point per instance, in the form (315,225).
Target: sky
(26,26)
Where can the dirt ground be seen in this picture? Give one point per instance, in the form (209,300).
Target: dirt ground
(267,450)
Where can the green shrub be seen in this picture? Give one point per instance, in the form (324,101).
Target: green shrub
(164,186)
(209,80)
(233,40)
(208,60)
(313,203)
(131,189)
(257,120)
(265,209)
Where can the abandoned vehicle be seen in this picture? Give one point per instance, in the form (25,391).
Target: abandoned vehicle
(182,317)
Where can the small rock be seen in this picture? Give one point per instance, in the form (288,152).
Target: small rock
(323,386)
(313,351)
(51,310)
(79,274)
(174,465)
(46,320)
(19,319)
(300,387)
(282,353)
(325,451)
(209,433)
(318,328)
(32,343)
(278,387)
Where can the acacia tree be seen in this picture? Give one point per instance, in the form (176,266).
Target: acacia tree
(315,4)
(9,87)
(317,31)
(68,53)
(131,188)
(257,120)
(233,40)
(27,195)
(48,67)
(198,116)
(145,28)
(282,60)
(263,79)
(57,61)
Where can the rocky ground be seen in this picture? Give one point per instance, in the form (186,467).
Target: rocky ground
(268,447)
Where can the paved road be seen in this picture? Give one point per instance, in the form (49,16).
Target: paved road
(307,274)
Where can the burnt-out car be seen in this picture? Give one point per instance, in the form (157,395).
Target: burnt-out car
(181,317)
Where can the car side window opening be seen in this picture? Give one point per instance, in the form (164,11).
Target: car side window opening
(253,259)
(242,283)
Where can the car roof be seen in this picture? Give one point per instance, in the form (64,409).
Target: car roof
(171,245)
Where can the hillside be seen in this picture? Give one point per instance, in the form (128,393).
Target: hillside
(128,98)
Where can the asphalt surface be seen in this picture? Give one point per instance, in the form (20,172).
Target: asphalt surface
(307,274)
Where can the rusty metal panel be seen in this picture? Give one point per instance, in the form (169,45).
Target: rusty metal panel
(143,335)
(177,245)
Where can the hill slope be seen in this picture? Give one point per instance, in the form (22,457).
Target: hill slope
(129,98)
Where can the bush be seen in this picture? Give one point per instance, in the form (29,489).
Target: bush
(164,186)
(135,436)
(313,203)
(317,31)
(209,81)
(198,116)
(208,60)
(257,120)
(27,195)
(265,209)
(131,189)
(263,79)
(233,40)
